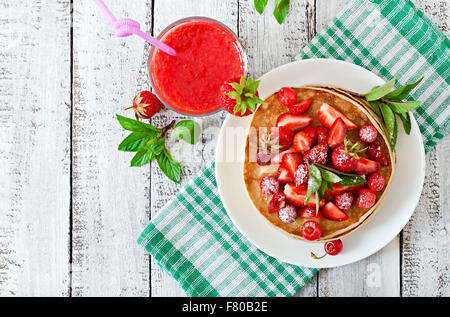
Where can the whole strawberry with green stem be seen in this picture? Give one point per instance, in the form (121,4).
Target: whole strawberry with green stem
(239,98)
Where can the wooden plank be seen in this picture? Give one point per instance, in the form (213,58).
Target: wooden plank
(34,148)
(379,274)
(110,199)
(426,238)
(191,158)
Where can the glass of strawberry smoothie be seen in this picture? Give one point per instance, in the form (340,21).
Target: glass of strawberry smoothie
(208,53)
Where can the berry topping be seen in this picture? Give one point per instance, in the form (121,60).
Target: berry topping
(365,166)
(327,115)
(294,122)
(310,212)
(300,107)
(331,248)
(278,201)
(342,160)
(318,154)
(291,161)
(146,105)
(278,157)
(366,198)
(287,96)
(311,230)
(301,175)
(283,135)
(288,213)
(239,97)
(302,141)
(344,201)
(283,176)
(311,132)
(375,182)
(297,196)
(375,153)
(368,133)
(322,135)
(262,157)
(269,185)
(330,211)
(337,133)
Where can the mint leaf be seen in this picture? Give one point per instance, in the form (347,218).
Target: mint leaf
(260,5)
(390,123)
(281,9)
(346,179)
(136,140)
(136,126)
(402,92)
(314,181)
(142,157)
(156,146)
(169,166)
(404,106)
(380,91)
(330,176)
(187,130)
(406,120)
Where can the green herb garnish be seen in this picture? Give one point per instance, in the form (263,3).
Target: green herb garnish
(279,12)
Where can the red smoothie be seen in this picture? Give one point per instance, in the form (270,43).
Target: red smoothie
(207,55)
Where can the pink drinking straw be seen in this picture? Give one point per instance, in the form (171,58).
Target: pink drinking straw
(127,27)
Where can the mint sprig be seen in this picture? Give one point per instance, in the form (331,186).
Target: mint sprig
(388,103)
(149,143)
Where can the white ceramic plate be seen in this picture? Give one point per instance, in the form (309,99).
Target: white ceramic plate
(395,211)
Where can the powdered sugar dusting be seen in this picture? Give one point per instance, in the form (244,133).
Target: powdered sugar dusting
(344,201)
(368,133)
(269,185)
(288,214)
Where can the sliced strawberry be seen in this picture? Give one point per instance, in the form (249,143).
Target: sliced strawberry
(291,161)
(322,135)
(287,96)
(318,154)
(283,176)
(297,196)
(311,132)
(338,189)
(301,175)
(330,211)
(310,212)
(278,201)
(302,142)
(374,152)
(365,166)
(283,134)
(300,107)
(277,158)
(337,133)
(327,115)
(294,122)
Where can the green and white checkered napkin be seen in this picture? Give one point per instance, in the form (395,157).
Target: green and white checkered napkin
(192,237)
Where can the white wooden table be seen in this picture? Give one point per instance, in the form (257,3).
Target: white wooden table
(70,206)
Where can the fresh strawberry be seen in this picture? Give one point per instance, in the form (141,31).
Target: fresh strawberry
(294,122)
(344,201)
(337,134)
(269,185)
(284,176)
(288,213)
(145,105)
(311,132)
(366,198)
(245,91)
(276,159)
(375,153)
(310,212)
(263,157)
(327,115)
(342,160)
(375,182)
(291,161)
(318,154)
(287,96)
(322,135)
(278,201)
(302,142)
(300,107)
(338,189)
(330,211)
(301,175)
(365,166)
(283,134)
(297,196)
(368,133)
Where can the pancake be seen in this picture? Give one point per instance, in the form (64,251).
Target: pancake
(354,108)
